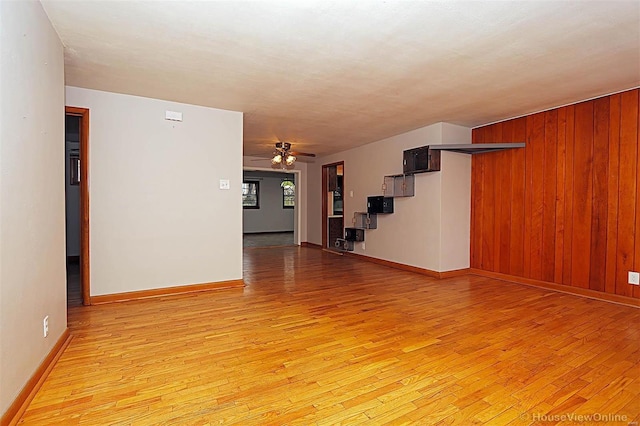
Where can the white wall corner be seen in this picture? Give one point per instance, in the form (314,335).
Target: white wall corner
(455,201)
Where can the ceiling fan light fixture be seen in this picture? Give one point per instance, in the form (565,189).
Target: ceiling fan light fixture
(277,159)
(290,159)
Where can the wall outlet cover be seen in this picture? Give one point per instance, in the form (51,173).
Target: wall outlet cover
(634,278)
(45,326)
(173,116)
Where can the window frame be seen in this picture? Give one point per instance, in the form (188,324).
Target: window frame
(257,186)
(284,196)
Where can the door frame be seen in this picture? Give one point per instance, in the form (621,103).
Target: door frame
(325,187)
(83,113)
(297,217)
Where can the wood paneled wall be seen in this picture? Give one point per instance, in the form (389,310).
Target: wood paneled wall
(566,208)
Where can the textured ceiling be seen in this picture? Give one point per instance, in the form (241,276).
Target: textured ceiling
(330,75)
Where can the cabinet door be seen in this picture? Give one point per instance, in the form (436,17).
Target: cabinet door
(332,178)
(336,230)
(409,161)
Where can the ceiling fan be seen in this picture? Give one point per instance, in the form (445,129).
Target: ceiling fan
(284,157)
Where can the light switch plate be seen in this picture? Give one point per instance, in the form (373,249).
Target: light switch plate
(224,184)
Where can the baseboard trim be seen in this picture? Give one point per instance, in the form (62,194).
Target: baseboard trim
(454,273)
(166,291)
(575,291)
(267,232)
(24,398)
(409,268)
(310,245)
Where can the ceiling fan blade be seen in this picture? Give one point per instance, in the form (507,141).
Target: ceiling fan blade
(297,153)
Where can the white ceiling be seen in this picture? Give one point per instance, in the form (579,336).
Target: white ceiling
(329,75)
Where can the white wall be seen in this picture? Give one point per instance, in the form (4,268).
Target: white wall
(271,216)
(32,235)
(455,217)
(301,211)
(157,215)
(415,233)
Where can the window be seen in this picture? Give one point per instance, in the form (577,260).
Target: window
(74,167)
(288,194)
(251,195)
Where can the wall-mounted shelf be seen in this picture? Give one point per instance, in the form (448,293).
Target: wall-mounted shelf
(477,148)
(344,245)
(354,234)
(420,160)
(365,220)
(379,204)
(399,186)
(415,160)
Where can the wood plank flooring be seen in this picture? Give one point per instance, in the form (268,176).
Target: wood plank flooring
(268,239)
(322,339)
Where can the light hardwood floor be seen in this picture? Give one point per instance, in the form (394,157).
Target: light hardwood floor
(322,339)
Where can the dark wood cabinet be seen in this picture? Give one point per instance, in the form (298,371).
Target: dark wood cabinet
(332,178)
(420,160)
(335,230)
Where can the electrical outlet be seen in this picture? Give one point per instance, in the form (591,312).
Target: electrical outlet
(634,278)
(45,326)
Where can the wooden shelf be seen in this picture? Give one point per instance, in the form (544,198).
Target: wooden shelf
(477,148)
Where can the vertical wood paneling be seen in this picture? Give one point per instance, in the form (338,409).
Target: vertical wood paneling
(476,204)
(528,185)
(488,211)
(582,193)
(627,190)
(600,192)
(498,163)
(612,194)
(537,194)
(566,208)
(636,289)
(549,195)
(517,204)
(505,160)
(560,185)
(568,194)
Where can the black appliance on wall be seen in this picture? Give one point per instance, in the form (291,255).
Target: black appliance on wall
(379,204)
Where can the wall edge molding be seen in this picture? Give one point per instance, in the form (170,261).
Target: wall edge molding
(409,268)
(310,245)
(574,291)
(454,273)
(166,291)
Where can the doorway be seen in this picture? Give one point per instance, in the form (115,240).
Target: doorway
(77,205)
(332,204)
(271,207)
